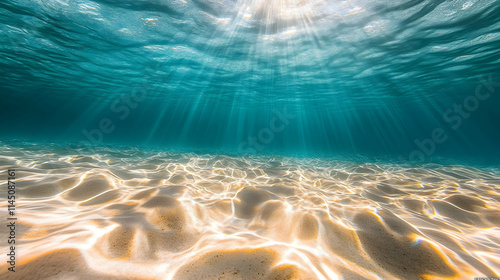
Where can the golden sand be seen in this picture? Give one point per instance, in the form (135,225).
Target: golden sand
(139,215)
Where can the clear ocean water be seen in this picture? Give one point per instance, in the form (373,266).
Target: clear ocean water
(358,77)
(313,135)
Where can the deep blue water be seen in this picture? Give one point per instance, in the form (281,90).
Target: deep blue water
(410,80)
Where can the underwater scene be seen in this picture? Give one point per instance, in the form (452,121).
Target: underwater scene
(250,139)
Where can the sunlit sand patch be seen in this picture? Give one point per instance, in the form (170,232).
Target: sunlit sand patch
(146,215)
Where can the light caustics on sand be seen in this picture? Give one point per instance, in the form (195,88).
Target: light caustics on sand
(212,69)
(132,214)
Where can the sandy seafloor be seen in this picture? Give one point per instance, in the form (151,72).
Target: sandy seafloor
(131,214)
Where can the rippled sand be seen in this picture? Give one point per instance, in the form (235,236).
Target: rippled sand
(145,215)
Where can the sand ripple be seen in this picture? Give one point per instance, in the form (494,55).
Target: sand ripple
(145,215)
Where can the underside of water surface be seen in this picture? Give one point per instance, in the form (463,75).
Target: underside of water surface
(250,139)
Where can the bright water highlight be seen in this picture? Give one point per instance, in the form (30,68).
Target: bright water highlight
(251,139)
(358,77)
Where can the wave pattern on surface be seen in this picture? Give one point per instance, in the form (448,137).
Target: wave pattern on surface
(132,214)
(283,48)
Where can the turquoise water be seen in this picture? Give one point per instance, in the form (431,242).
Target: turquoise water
(309,78)
(250,139)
